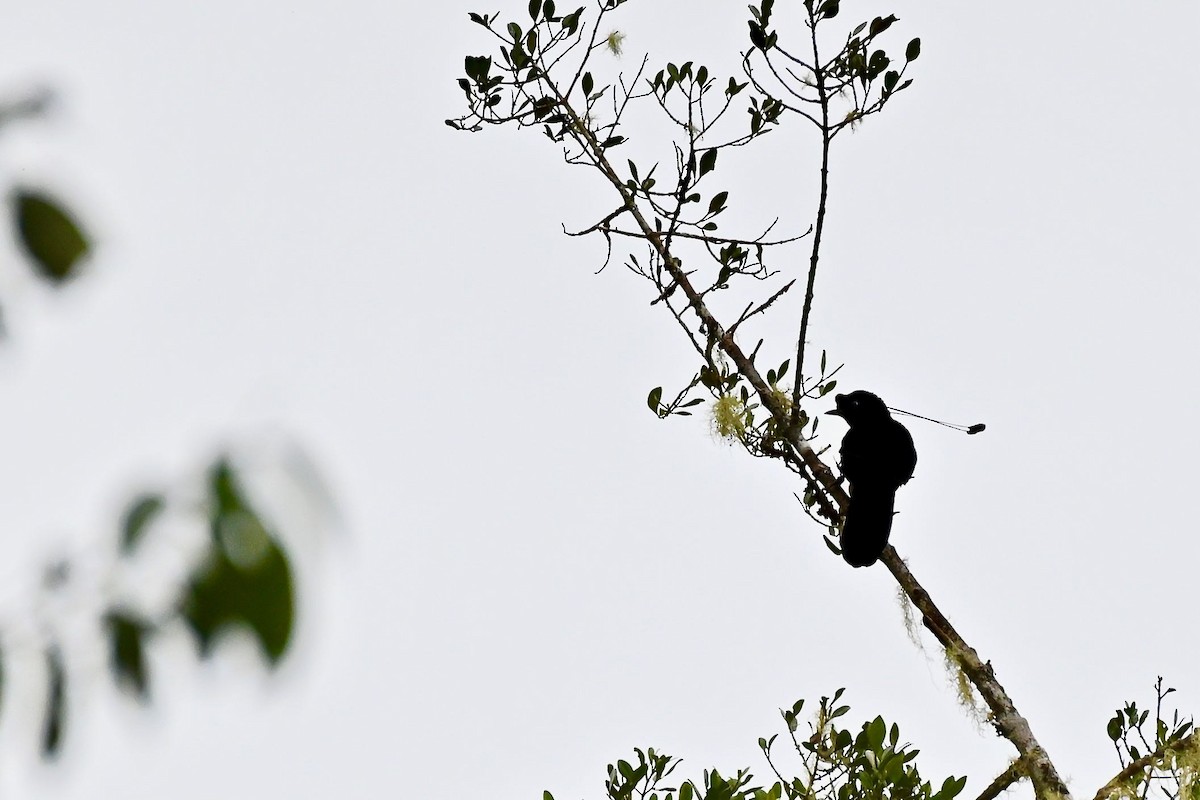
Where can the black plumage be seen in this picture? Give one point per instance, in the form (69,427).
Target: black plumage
(878,458)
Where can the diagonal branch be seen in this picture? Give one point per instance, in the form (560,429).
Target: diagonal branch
(1009,723)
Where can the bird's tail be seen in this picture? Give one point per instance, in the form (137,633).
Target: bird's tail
(867,525)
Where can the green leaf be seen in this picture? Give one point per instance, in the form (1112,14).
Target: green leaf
(587,83)
(535,9)
(708,161)
(881,24)
(477,67)
(570,22)
(56,710)
(654,398)
(547,796)
(758,37)
(1115,728)
(127,655)
(138,515)
(829,9)
(913,50)
(262,599)
(548,9)
(717,204)
(876,731)
(952,786)
(247,578)
(49,235)
(514,30)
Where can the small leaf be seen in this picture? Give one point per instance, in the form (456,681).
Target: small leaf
(829,9)
(881,24)
(477,67)
(708,161)
(127,655)
(137,517)
(654,398)
(535,9)
(717,203)
(757,37)
(913,50)
(587,83)
(49,235)
(1115,728)
(56,712)
(247,578)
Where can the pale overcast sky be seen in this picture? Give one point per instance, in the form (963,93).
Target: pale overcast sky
(533,575)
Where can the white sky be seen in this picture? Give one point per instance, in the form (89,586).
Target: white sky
(535,574)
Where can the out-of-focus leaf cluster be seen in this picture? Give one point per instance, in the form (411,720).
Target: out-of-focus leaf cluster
(243,579)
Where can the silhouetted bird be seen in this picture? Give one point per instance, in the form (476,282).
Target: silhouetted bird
(878,458)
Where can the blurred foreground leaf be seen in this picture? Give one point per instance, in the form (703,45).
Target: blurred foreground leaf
(127,652)
(138,515)
(247,579)
(56,712)
(52,239)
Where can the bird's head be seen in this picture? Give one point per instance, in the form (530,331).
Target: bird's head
(860,407)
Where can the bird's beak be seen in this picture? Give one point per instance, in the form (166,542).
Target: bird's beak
(834,413)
